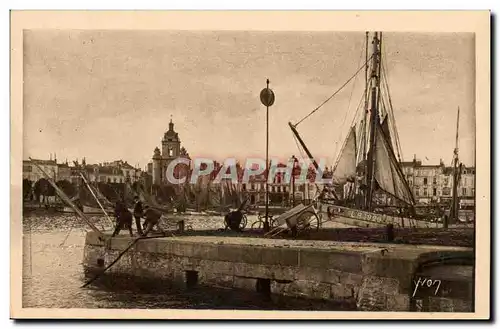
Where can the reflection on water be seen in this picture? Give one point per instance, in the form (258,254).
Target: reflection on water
(52,274)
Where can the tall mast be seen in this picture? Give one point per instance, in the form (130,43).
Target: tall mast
(363,151)
(373,121)
(454,199)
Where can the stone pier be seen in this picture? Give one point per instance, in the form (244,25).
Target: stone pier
(376,277)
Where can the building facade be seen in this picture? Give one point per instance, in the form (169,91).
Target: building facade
(33,173)
(434,183)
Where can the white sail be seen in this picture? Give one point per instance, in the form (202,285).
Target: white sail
(345,167)
(388,174)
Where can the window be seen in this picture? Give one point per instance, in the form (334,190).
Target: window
(446,181)
(170,152)
(252,187)
(244,187)
(425,182)
(472,190)
(434,181)
(417,192)
(464,191)
(109,180)
(434,192)
(425,192)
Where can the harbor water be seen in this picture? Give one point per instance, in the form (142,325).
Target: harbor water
(53,274)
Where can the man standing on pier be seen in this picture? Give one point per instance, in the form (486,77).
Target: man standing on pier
(123,219)
(138,213)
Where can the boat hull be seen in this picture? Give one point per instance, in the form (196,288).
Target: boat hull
(86,210)
(360,218)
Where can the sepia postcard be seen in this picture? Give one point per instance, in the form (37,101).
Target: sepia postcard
(250,164)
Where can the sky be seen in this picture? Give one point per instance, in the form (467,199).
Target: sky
(108,95)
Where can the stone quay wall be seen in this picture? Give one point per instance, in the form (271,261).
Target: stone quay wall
(376,277)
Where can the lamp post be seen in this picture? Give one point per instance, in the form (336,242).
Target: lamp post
(267,99)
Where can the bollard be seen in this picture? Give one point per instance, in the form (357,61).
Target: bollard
(390,232)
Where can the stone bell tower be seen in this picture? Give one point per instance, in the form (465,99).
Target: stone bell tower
(170,144)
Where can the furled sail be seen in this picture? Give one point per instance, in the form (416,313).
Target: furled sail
(345,167)
(385,128)
(388,173)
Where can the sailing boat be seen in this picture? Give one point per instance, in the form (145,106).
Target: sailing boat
(369,187)
(90,199)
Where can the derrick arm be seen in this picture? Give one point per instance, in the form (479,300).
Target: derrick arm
(315,164)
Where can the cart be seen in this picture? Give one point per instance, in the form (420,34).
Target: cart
(299,220)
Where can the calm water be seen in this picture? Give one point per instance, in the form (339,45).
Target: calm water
(52,276)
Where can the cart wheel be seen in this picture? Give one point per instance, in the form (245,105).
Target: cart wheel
(257,224)
(244,222)
(309,221)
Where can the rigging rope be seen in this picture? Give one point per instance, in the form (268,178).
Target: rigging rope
(335,93)
(391,112)
(349,104)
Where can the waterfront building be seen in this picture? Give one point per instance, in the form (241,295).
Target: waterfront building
(432,184)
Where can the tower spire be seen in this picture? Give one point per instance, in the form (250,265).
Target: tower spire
(171,124)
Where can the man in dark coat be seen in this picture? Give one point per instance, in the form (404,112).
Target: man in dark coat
(138,213)
(152,217)
(123,219)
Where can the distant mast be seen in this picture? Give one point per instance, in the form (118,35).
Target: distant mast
(456,173)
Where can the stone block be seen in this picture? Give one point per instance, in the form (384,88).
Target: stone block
(372,295)
(398,303)
(318,274)
(279,256)
(120,243)
(288,273)
(297,288)
(341,291)
(238,254)
(244,283)
(215,280)
(314,258)
(225,268)
(150,246)
(181,249)
(320,290)
(346,261)
(252,271)
(352,279)
(205,251)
